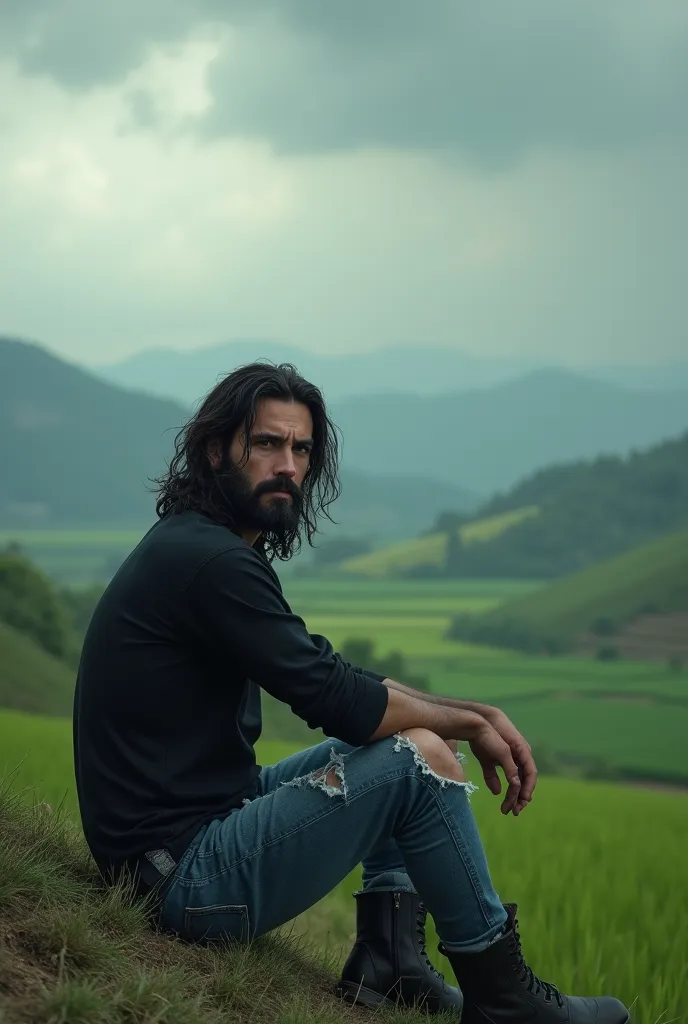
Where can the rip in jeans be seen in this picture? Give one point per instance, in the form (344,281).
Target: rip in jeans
(318,779)
(404,742)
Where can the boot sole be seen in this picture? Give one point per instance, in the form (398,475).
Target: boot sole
(469,1017)
(359,995)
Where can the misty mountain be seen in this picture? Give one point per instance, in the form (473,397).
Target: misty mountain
(187,376)
(79,451)
(489,439)
(422,370)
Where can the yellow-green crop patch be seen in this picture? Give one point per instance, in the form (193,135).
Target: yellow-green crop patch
(422,637)
(430,550)
(400,615)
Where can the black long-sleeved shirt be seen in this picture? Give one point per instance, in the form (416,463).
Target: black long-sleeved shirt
(167,701)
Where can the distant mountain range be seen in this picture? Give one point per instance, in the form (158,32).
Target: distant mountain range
(487,440)
(476,423)
(79,451)
(421,370)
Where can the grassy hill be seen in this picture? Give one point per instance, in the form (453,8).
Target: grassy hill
(420,552)
(589,511)
(649,580)
(30,678)
(562,519)
(70,952)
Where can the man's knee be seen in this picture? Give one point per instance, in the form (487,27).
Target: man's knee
(435,752)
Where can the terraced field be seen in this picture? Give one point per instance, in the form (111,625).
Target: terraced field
(562,704)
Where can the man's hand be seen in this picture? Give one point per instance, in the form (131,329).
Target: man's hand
(516,744)
(520,752)
(493,752)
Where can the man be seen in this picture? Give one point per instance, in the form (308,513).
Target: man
(167,712)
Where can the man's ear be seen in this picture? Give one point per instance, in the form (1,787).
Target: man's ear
(214,451)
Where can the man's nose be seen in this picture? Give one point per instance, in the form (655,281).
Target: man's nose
(285,464)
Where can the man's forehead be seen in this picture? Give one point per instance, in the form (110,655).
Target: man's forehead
(277,417)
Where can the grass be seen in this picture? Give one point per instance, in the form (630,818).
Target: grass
(430,550)
(597,870)
(39,750)
(73,953)
(651,577)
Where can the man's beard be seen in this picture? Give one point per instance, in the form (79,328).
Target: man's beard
(278,517)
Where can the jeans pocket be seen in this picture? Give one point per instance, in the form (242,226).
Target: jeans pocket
(216,924)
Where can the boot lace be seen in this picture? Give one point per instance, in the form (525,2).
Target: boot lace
(535,985)
(420,927)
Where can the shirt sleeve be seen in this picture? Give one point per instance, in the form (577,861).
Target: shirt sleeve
(239,612)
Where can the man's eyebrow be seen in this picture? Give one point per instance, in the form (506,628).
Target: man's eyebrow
(267,435)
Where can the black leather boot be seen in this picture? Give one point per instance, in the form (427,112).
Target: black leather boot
(388,965)
(499,987)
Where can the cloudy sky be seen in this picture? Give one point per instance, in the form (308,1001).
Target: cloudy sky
(500,177)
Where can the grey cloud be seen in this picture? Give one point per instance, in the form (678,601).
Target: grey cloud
(81,43)
(491,80)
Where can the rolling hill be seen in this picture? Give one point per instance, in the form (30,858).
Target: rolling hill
(634,605)
(429,551)
(30,678)
(81,452)
(589,511)
(560,520)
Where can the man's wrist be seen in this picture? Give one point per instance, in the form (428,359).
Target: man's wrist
(460,724)
(485,710)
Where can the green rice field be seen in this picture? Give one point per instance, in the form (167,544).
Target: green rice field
(405,615)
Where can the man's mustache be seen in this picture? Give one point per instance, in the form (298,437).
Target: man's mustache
(278,484)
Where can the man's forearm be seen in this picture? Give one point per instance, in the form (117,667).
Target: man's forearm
(404,711)
(447,702)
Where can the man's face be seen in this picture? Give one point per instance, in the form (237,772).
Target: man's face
(265,490)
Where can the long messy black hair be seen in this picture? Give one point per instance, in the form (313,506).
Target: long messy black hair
(191,483)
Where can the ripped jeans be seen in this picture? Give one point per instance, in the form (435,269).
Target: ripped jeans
(276,856)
